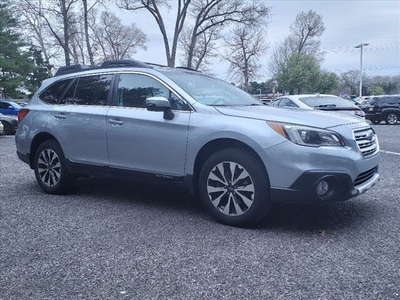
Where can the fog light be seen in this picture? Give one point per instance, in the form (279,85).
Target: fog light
(322,188)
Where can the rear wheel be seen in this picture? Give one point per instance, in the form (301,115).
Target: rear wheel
(234,187)
(50,168)
(7,128)
(391,118)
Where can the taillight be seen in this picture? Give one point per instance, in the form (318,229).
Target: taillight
(22,113)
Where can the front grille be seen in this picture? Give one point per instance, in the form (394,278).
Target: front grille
(365,176)
(366,141)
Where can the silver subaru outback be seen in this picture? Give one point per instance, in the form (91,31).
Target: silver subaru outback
(128,118)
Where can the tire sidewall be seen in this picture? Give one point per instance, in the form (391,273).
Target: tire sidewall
(255,168)
(64,181)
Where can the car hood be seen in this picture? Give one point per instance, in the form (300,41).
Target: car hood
(306,117)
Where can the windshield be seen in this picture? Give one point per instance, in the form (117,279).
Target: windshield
(321,102)
(211,91)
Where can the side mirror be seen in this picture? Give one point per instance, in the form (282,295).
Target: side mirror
(160,104)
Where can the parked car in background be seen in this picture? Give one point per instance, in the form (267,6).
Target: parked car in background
(9,107)
(383,108)
(20,102)
(330,103)
(10,123)
(154,123)
(1,129)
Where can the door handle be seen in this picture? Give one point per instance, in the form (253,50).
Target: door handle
(115,122)
(60,116)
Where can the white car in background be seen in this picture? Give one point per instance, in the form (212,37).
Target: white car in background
(1,129)
(329,103)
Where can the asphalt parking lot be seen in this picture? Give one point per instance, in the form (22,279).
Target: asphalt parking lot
(123,240)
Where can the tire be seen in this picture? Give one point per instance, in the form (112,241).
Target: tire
(376,121)
(7,128)
(50,169)
(238,199)
(391,119)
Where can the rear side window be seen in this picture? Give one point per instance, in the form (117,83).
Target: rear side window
(89,90)
(391,100)
(53,93)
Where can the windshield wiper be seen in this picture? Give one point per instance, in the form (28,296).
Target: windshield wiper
(325,105)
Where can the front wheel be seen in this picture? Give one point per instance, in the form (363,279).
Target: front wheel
(234,187)
(50,168)
(391,118)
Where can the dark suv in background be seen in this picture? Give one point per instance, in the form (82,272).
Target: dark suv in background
(383,108)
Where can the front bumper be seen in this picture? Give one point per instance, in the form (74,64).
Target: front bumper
(341,187)
(373,116)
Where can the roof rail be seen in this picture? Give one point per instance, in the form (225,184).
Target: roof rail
(115,63)
(156,65)
(119,63)
(71,69)
(187,68)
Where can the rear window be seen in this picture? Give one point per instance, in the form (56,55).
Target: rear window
(326,102)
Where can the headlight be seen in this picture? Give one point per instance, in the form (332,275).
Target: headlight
(359,113)
(307,136)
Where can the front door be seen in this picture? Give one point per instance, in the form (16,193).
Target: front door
(142,140)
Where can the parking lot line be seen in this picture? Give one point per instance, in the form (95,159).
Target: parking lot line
(390,152)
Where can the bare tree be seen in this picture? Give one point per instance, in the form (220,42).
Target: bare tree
(115,40)
(302,39)
(87,8)
(205,49)
(351,80)
(209,16)
(59,15)
(246,45)
(308,25)
(35,28)
(153,6)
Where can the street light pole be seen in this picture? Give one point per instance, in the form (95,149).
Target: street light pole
(361,45)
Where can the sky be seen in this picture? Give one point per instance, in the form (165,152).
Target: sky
(348,23)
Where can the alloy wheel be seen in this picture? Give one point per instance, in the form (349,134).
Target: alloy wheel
(49,167)
(392,118)
(230,188)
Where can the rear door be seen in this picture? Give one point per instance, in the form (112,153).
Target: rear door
(79,120)
(142,140)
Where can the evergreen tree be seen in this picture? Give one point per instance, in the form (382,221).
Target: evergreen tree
(15,63)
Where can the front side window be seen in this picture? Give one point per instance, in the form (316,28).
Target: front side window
(276,102)
(89,90)
(134,89)
(287,103)
(54,93)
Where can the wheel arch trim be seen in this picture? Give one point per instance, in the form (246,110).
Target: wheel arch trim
(192,176)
